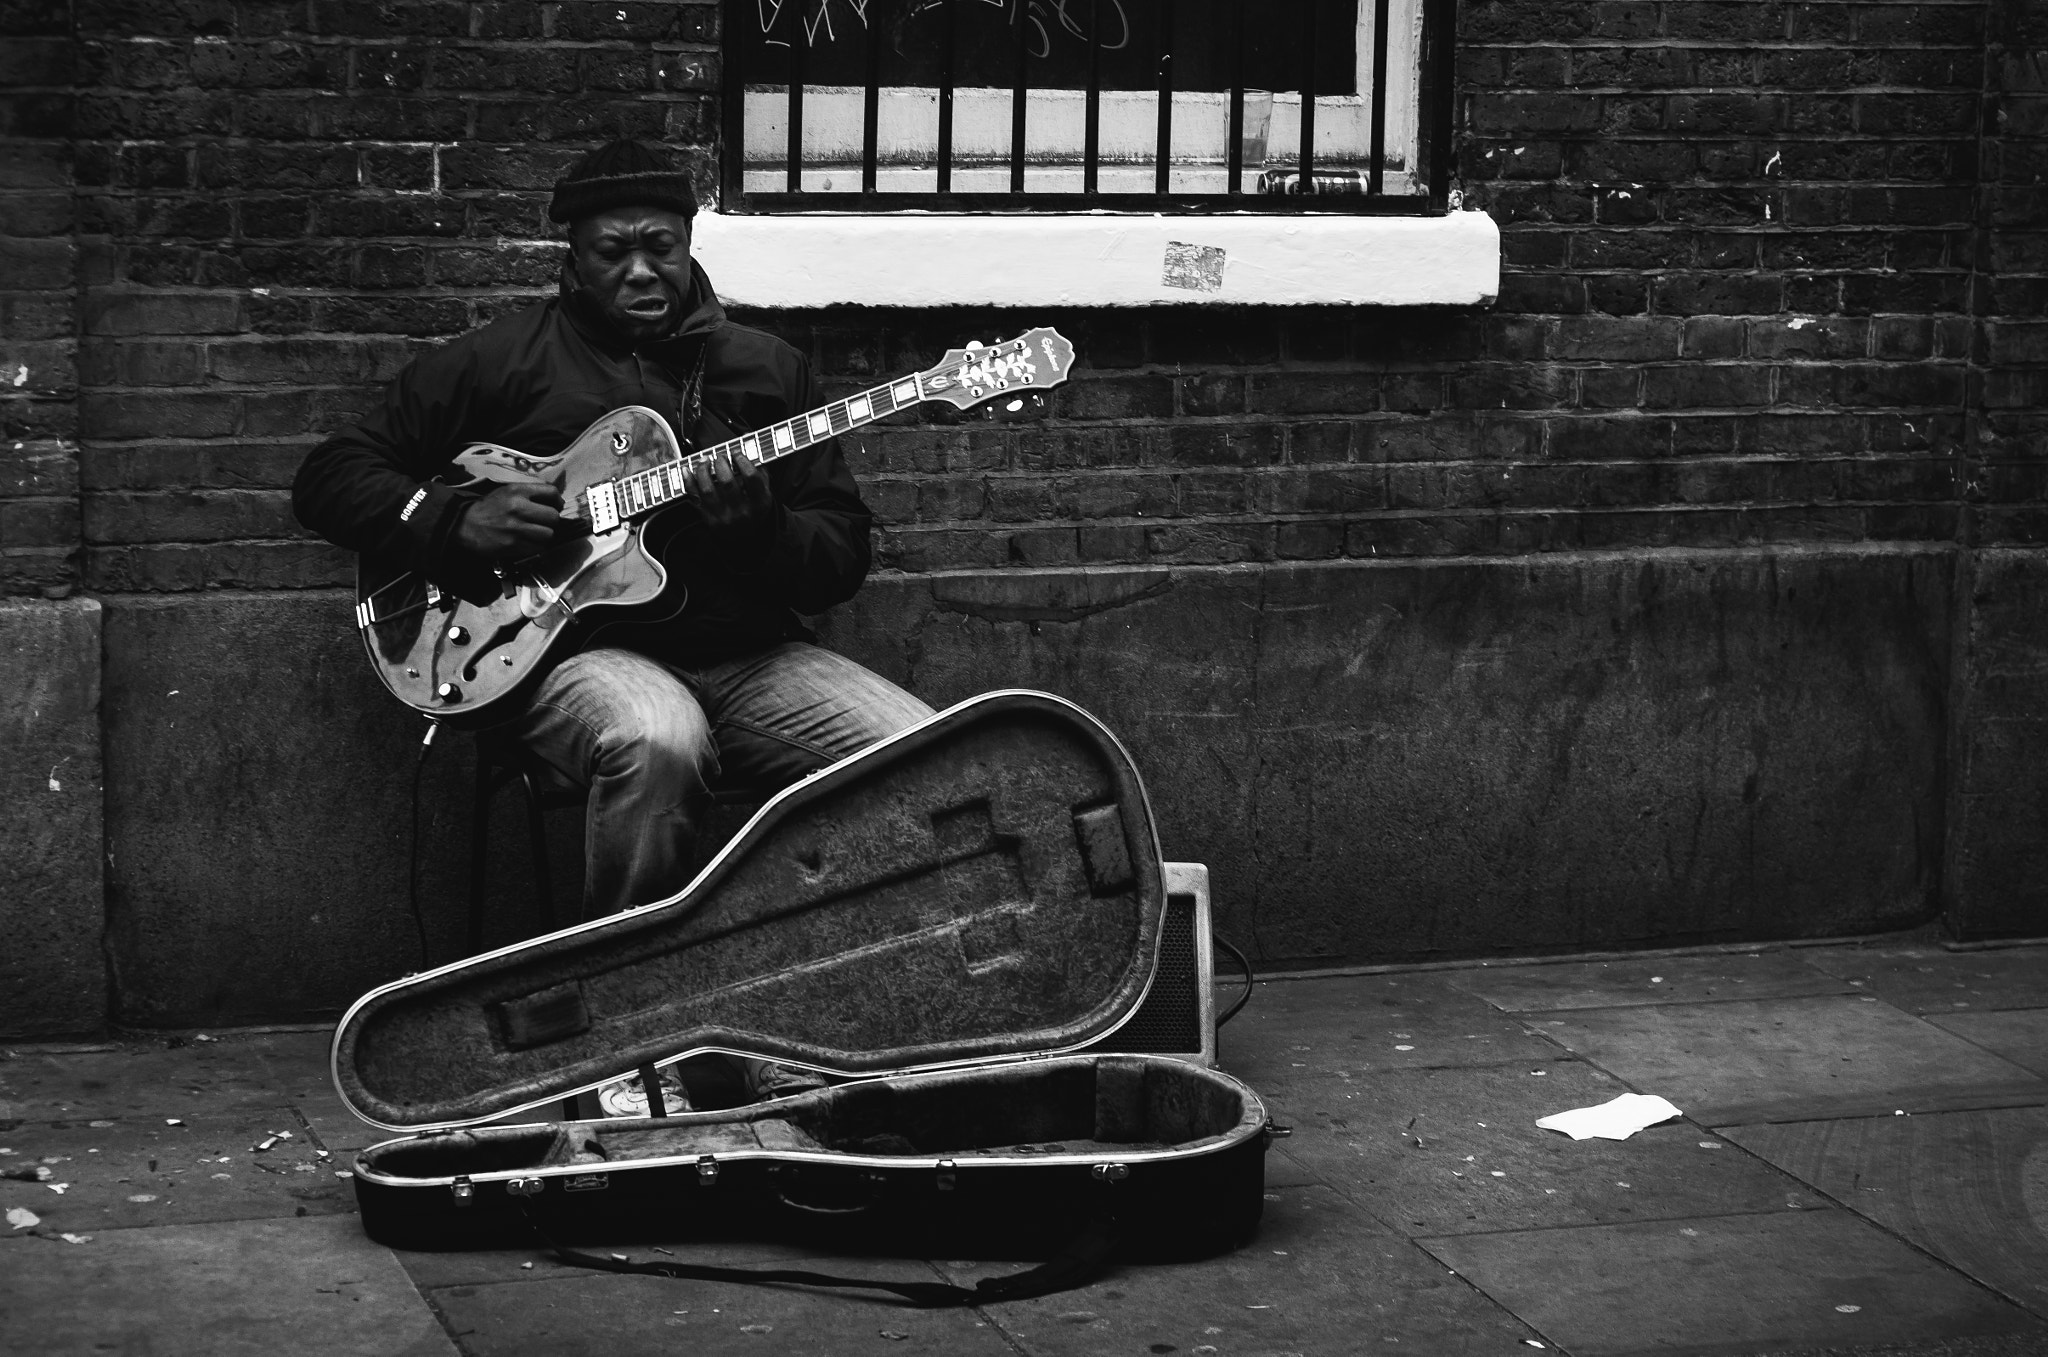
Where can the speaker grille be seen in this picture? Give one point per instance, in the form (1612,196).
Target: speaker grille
(1170,1019)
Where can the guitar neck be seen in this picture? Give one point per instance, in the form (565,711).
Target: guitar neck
(665,482)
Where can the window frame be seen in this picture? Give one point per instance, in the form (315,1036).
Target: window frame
(1434,90)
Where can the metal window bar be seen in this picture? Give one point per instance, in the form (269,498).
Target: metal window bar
(1163,158)
(871,113)
(948,43)
(1091,137)
(1376,162)
(1233,151)
(798,45)
(1307,57)
(1433,132)
(1019,97)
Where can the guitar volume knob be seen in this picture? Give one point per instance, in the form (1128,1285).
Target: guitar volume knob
(449,693)
(459,635)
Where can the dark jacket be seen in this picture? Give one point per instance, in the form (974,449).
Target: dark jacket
(535,380)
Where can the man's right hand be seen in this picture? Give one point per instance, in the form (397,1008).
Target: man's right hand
(513,521)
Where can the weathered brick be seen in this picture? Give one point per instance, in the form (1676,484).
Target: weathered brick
(1688,294)
(173,362)
(609,21)
(38,523)
(177,567)
(37,264)
(1209,394)
(1042,548)
(413,19)
(1148,397)
(1103,543)
(1522,387)
(159,415)
(1209,543)
(123,518)
(1309,541)
(36,315)
(222,63)
(1221,444)
(31,367)
(1807,337)
(1639,338)
(1313,393)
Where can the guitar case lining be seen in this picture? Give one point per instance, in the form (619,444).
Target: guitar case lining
(936,921)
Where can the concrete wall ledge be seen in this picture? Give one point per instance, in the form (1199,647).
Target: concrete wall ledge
(1379,760)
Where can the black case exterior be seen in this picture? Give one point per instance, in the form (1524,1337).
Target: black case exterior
(939,918)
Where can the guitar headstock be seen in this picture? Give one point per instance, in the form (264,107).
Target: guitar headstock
(1034,361)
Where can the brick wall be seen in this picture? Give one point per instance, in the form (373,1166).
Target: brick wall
(1739,241)
(39,523)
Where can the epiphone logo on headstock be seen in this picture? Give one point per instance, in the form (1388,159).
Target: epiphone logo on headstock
(936,382)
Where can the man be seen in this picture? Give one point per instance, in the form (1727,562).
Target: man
(648,714)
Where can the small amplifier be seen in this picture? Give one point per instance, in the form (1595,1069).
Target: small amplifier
(1178,1014)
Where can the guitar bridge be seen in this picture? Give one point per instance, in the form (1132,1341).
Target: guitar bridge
(603,499)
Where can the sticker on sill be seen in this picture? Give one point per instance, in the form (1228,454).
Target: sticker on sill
(1197,268)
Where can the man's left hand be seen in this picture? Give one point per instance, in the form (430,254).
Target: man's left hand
(733,494)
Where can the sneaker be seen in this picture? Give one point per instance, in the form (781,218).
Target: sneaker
(766,1080)
(628,1098)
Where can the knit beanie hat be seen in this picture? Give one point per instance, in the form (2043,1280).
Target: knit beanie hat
(622,174)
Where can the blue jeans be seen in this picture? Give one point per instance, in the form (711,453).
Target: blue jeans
(649,740)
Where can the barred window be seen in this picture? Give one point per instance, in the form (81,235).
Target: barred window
(1134,105)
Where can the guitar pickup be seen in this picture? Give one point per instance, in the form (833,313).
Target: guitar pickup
(603,499)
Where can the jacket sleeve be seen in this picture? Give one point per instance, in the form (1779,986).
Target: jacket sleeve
(814,553)
(369,486)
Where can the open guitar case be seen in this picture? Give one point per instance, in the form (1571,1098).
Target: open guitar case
(955,925)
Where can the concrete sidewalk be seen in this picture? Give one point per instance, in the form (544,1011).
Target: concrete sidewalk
(1863,1167)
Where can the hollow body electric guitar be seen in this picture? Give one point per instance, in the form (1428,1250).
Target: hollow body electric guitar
(455,660)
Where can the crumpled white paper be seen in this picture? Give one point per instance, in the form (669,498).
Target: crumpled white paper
(1616,1120)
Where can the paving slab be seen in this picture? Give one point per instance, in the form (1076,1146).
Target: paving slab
(164,1079)
(1969,1187)
(141,1171)
(1369,1022)
(605,1315)
(1321,1277)
(1935,980)
(2016,1034)
(312,1288)
(1483,1164)
(1726,1285)
(1984,1345)
(1794,1059)
(1628,982)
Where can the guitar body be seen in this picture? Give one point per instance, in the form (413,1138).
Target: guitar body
(457,661)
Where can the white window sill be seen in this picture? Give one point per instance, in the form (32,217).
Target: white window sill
(1099,259)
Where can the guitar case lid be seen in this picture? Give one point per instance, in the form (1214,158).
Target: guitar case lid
(984,886)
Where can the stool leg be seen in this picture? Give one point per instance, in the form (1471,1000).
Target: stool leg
(537,831)
(479,853)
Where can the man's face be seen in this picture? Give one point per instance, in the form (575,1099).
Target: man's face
(635,263)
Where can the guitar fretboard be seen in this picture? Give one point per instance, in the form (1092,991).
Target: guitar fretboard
(668,481)
(987,370)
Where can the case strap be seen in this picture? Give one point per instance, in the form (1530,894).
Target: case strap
(1072,1266)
